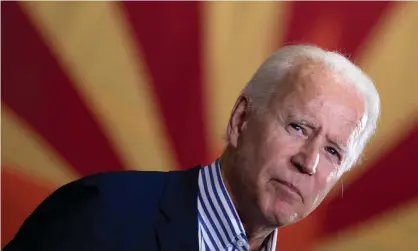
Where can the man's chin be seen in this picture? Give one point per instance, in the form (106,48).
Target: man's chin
(284,219)
(285,214)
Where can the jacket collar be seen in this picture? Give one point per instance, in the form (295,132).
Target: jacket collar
(177,224)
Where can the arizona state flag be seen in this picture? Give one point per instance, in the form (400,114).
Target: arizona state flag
(90,87)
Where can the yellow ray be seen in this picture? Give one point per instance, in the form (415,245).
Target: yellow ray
(24,151)
(238,36)
(396,230)
(94,45)
(390,57)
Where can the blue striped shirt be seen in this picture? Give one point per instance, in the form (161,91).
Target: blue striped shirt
(220,227)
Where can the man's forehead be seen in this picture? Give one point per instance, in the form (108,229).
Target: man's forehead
(310,79)
(307,77)
(315,94)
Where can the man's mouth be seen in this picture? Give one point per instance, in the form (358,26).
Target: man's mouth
(292,189)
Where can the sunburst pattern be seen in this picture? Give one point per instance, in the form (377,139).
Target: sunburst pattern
(92,87)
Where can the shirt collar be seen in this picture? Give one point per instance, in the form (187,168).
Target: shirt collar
(218,212)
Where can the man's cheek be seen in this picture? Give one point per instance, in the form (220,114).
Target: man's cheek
(332,176)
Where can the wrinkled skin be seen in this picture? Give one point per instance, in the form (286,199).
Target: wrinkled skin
(298,142)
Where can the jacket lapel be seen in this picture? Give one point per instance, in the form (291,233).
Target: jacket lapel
(177,225)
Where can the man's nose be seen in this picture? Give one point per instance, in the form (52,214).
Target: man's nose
(307,159)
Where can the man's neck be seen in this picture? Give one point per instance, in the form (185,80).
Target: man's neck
(256,229)
(256,237)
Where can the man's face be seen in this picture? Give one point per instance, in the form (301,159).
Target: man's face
(288,157)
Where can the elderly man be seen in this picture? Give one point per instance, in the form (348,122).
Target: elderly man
(299,124)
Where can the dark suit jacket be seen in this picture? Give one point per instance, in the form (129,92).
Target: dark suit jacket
(126,211)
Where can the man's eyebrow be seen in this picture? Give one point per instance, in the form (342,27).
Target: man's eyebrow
(309,122)
(304,121)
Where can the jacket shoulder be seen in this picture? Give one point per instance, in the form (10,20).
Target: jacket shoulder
(123,182)
(87,211)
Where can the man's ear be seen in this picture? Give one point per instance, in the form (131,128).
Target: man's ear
(238,120)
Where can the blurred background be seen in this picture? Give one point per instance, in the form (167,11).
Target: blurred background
(92,87)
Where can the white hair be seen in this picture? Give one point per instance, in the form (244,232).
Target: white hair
(265,81)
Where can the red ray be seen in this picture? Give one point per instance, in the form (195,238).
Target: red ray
(335,25)
(170,39)
(392,181)
(40,92)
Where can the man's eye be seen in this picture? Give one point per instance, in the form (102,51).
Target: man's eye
(297,129)
(333,152)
